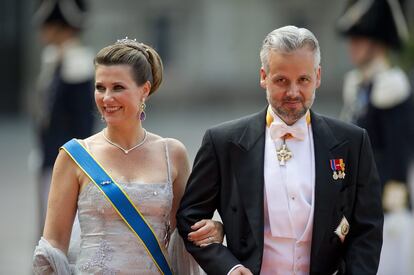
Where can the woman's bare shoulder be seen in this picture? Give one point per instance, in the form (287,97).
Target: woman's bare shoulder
(174,145)
(91,139)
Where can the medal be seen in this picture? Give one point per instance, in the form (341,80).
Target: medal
(335,175)
(284,154)
(338,168)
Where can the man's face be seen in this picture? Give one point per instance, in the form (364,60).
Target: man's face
(290,83)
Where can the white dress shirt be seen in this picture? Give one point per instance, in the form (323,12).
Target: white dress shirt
(288,203)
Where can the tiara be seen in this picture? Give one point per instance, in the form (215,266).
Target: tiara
(128,41)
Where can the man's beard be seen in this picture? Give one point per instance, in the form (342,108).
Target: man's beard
(291,116)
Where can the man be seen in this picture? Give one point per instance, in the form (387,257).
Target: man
(377,95)
(298,193)
(63,103)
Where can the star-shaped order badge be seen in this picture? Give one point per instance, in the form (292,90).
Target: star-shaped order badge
(338,168)
(343,229)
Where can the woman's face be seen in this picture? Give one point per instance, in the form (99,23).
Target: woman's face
(117,95)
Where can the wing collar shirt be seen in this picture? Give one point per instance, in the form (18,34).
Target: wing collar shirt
(288,198)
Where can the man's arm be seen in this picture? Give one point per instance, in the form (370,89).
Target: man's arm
(365,240)
(200,200)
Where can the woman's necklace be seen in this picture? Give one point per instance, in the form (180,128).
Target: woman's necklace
(126,151)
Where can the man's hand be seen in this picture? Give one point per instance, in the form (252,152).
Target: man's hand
(241,270)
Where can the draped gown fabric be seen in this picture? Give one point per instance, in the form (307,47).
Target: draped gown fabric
(108,246)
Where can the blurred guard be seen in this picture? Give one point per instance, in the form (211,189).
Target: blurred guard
(64,98)
(378,97)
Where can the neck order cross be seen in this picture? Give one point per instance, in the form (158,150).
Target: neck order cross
(283,153)
(126,151)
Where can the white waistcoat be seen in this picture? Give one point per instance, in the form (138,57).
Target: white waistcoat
(288,205)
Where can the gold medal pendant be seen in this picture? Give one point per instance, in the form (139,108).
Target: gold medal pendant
(284,154)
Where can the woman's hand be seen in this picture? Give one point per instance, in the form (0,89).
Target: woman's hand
(206,232)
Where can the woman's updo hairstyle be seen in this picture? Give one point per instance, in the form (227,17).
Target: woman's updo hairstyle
(144,60)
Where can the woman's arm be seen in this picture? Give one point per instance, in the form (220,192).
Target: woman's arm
(62,202)
(180,172)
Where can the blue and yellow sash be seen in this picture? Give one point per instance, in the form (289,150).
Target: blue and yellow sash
(120,202)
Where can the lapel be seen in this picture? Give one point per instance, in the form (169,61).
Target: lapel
(247,159)
(326,147)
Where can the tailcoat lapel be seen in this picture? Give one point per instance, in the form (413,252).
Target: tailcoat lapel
(247,160)
(326,147)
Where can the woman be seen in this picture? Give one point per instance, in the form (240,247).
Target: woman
(150,169)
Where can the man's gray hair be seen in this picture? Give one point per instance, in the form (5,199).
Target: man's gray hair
(288,39)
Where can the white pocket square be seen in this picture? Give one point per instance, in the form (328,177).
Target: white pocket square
(342,229)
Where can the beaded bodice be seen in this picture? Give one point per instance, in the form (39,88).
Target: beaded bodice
(108,246)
